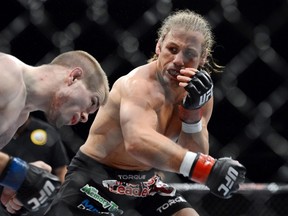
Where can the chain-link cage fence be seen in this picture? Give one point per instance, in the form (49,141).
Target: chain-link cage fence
(249,116)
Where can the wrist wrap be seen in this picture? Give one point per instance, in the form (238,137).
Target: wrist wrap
(201,168)
(187,163)
(192,128)
(14,173)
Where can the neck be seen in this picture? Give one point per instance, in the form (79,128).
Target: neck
(40,87)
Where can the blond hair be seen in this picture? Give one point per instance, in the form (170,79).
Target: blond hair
(191,21)
(94,76)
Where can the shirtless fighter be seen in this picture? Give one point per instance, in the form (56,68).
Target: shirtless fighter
(155,118)
(67,90)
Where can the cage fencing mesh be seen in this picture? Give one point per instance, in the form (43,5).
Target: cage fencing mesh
(249,121)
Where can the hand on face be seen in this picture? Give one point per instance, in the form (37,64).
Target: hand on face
(185,76)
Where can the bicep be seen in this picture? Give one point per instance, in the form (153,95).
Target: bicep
(136,115)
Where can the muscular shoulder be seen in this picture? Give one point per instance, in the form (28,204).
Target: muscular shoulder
(10,64)
(11,77)
(140,83)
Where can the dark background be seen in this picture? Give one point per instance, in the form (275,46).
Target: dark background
(250,113)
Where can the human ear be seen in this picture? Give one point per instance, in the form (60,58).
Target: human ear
(75,74)
(158,48)
(203,58)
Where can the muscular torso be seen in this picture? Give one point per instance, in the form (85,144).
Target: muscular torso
(105,142)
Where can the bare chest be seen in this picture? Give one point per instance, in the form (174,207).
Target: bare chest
(168,122)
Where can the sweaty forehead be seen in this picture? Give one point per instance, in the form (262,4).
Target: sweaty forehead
(182,36)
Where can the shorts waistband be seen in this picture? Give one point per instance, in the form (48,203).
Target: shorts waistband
(115,173)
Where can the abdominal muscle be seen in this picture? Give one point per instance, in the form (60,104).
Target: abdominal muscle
(111,153)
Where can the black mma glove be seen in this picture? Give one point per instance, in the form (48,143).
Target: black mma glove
(200,90)
(221,176)
(35,187)
(225,177)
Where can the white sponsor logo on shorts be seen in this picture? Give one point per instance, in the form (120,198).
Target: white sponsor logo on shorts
(131,177)
(170,203)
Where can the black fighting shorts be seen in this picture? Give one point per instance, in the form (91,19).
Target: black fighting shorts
(91,188)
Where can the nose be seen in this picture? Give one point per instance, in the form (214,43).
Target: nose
(179,59)
(84,117)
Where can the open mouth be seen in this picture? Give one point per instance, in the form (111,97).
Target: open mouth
(173,73)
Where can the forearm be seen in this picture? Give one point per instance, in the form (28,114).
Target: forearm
(195,142)
(195,112)
(156,150)
(194,132)
(4,159)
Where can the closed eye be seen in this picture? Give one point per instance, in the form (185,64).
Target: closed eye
(94,104)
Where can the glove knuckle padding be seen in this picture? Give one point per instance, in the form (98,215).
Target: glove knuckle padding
(199,90)
(225,177)
(197,83)
(206,80)
(38,188)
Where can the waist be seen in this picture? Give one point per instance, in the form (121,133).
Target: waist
(117,158)
(94,166)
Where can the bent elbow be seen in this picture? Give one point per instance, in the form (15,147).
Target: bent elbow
(137,140)
(133,147)
(134,143)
